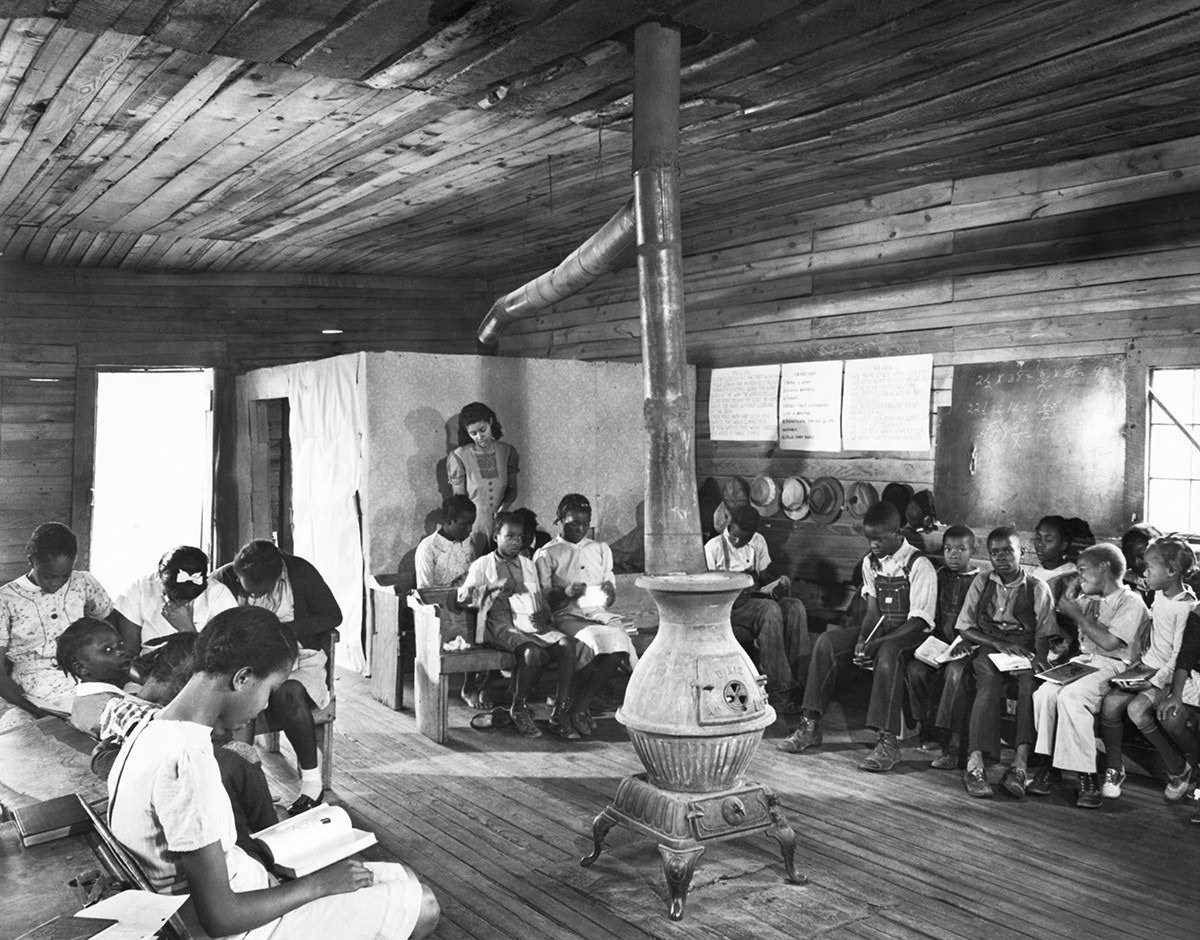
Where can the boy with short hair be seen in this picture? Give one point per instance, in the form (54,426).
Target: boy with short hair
(90,651)
(1112,622)
(929,685)
(1006,611)
(900,587)
(776,626)
(1167,562)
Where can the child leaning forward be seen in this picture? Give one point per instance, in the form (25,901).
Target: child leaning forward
(504,586)
(167,806)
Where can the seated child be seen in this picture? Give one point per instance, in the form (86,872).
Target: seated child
(260,575)
(931,686)
(504,586)
(167,667)
(900,587)
(167,806)
(178,597)
(1050,543)
(1134,543)
(90,651)
(575,575)
(777,626)
(34,609)
(1168,561)
(1111,621)
(442,561)
(1179,713)
(1006,611)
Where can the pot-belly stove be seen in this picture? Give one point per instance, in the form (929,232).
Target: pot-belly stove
(695,710)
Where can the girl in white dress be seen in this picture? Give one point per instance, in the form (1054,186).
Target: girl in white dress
(576,578)
(168,807)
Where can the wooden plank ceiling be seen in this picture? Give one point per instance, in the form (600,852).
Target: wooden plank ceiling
(488,137)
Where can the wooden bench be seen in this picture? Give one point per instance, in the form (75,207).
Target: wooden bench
(323,718)
(435,664)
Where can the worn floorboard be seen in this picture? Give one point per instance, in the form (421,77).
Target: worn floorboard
(496,825)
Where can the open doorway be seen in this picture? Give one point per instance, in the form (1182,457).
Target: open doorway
(153,470)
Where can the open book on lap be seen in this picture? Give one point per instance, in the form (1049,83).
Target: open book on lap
(1066,673)
(937,652)
(311,841)
(1011,662)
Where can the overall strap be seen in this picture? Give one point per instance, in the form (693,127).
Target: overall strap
(128,749)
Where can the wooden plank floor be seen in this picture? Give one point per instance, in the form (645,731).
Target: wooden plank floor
(497,824)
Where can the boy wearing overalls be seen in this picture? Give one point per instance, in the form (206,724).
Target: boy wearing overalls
(900,587)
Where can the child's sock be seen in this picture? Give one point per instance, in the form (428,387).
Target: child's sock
(310,782)
(1111,733)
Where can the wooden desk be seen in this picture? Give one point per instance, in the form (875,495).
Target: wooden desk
(35,879)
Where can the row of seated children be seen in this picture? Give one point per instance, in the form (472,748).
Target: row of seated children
(180,596)
(184,797)
(544,605)
(1081,611)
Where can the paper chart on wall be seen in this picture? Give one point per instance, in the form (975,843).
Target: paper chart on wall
(743,404)
(810,406)
(885,403)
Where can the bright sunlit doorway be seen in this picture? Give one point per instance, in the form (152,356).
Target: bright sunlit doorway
(153,471)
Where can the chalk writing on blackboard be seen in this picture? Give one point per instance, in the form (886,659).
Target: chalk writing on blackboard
(1027,439)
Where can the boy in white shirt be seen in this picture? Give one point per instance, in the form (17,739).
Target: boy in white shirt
(1112,623)
(776,626)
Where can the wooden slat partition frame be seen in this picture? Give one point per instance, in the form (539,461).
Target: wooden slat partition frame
(83,471)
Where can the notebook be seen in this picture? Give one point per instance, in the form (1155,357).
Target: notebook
(1066,673)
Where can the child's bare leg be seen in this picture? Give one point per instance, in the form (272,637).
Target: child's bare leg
(595,676)
(1021,761)
(530,662)
(564,657)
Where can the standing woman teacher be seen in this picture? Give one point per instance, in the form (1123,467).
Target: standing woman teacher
(483,468)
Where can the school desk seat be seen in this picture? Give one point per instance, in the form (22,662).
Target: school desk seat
(322,717)
(434,627)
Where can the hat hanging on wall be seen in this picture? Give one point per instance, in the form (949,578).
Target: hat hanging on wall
(899,495)
(825,499)
(861,497)
(921,514)
(721,517)
(735,493)
(764,495)
(794,498)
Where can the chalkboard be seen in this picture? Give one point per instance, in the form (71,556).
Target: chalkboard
(1026,439)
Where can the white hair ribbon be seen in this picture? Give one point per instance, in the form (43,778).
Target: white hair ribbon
(196,578)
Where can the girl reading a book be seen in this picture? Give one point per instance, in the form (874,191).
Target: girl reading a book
(576,578)
(168,807)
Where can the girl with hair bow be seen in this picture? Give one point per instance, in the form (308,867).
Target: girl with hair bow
(177,598)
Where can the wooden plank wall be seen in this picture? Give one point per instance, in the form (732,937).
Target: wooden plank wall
(1085,258)
(55,321)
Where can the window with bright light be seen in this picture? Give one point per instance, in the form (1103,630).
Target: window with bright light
(1173,492)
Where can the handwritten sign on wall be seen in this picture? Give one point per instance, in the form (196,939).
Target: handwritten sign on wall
(885,403)
(743,404)
(810,406)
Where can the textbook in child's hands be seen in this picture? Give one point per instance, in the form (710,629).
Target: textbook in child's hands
(308,842)
(1010,662)
(937,652)
(1066,673)
(1134,677)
